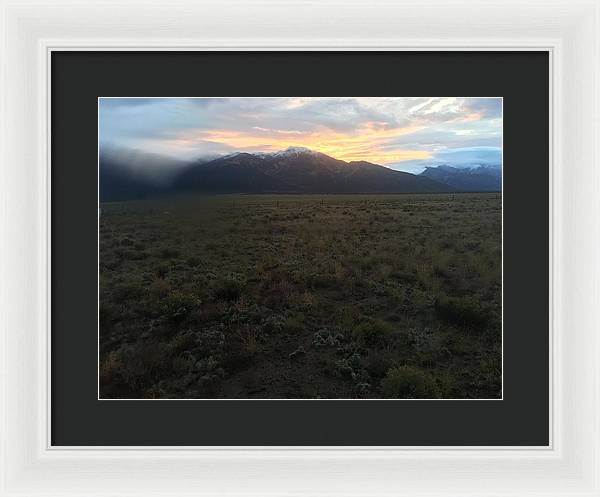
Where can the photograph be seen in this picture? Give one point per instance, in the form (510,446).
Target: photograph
(317,248)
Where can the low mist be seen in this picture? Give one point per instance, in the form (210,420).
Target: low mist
(152,169)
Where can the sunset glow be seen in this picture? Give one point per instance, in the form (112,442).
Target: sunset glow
(395,132)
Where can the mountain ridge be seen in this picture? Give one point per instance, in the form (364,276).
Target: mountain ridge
(477,177)
(299,171)
(293,170)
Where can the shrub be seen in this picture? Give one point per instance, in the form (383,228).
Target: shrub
(210,340)
(278,294)
(295,323)
(182,365)
(326,338)
(183,341)
(407,382)
(178,305)
(249,342)
(240,348)
(372,333)
(274,323)
(473,246)
(110,367)
(126,291)
(379,363)
(405,277)
(193,261)
(230,287)
(320,280)
(351,368)
(307,300)
(108,312)
(462,311)
(168,253)
(135,367)
(127,242)
(162,270)
(159,288)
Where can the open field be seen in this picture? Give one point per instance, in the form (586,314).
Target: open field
(301,296)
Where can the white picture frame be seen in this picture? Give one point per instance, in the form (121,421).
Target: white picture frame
(569,30)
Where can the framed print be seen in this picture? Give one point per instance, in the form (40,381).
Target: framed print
(242,247)
(242,270)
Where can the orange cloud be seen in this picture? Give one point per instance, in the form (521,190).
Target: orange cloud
(364,144)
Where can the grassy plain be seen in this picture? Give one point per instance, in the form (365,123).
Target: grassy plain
(301,296)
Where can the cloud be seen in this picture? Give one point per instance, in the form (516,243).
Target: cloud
(488,155)
(485,107)
(385,130)
(456,157)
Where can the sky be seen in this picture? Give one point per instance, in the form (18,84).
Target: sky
(403,133)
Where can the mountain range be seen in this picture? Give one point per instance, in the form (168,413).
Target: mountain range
(294,170)
(477,177)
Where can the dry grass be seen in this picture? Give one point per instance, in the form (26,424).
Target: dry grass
(216,298)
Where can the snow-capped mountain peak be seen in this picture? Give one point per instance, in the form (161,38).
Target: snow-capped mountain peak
(288,152)
(292,151)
